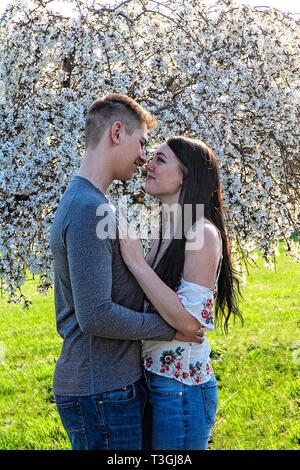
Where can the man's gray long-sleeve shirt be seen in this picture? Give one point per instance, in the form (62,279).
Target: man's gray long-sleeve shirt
(98,302)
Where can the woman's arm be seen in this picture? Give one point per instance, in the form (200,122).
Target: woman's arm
(164,299)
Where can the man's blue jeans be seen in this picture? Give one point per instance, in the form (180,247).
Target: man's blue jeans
(105,421)
(182,415)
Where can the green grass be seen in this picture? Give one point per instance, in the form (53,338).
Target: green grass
(28,416)
(257,367)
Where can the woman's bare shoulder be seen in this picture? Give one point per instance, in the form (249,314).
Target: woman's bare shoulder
(203,235)
(202,254)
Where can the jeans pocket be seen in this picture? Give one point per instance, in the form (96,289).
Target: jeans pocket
(210,397)
(124,394)
(164,386)
(71,417)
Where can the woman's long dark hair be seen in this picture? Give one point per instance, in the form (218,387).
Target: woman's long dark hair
(201,185)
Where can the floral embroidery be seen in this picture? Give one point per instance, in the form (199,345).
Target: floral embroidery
(209,369)
(195,372)
(149,362)
(172,366)
(205,313)
(194,368)
(174,363)
(168,358)
(208,312)
(178,365)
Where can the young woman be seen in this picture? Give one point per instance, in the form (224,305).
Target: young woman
(188,278)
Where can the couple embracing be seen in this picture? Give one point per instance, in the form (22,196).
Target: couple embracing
(134,369)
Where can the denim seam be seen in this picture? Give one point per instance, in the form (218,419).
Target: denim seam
(206,403)
(81,430)
(103,421)
(184,406)
(145,401)
(84,429)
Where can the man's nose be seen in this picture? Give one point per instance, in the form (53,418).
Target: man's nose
(143,158)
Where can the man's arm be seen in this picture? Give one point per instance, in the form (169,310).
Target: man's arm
(90,266)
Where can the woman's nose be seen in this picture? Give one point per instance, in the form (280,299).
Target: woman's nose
(149,165)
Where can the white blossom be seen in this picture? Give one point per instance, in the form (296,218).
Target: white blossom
(228,75)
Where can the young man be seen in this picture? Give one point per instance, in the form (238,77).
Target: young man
(98,302)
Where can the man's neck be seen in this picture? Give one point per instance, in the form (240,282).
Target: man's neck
(99,175)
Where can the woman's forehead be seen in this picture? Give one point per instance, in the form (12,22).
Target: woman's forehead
(166,150)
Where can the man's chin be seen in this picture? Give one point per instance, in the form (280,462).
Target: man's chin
(127,176)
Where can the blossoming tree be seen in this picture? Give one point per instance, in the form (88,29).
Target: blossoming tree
(226,74)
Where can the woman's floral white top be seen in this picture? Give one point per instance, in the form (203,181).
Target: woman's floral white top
(187,362)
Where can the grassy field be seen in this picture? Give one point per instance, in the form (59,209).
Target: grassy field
(257,367)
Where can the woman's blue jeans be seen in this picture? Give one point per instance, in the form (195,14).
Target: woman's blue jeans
(182,415)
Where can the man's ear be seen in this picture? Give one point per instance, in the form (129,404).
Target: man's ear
(116,131)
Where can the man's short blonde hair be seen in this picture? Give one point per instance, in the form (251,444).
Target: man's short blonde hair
(110,108)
